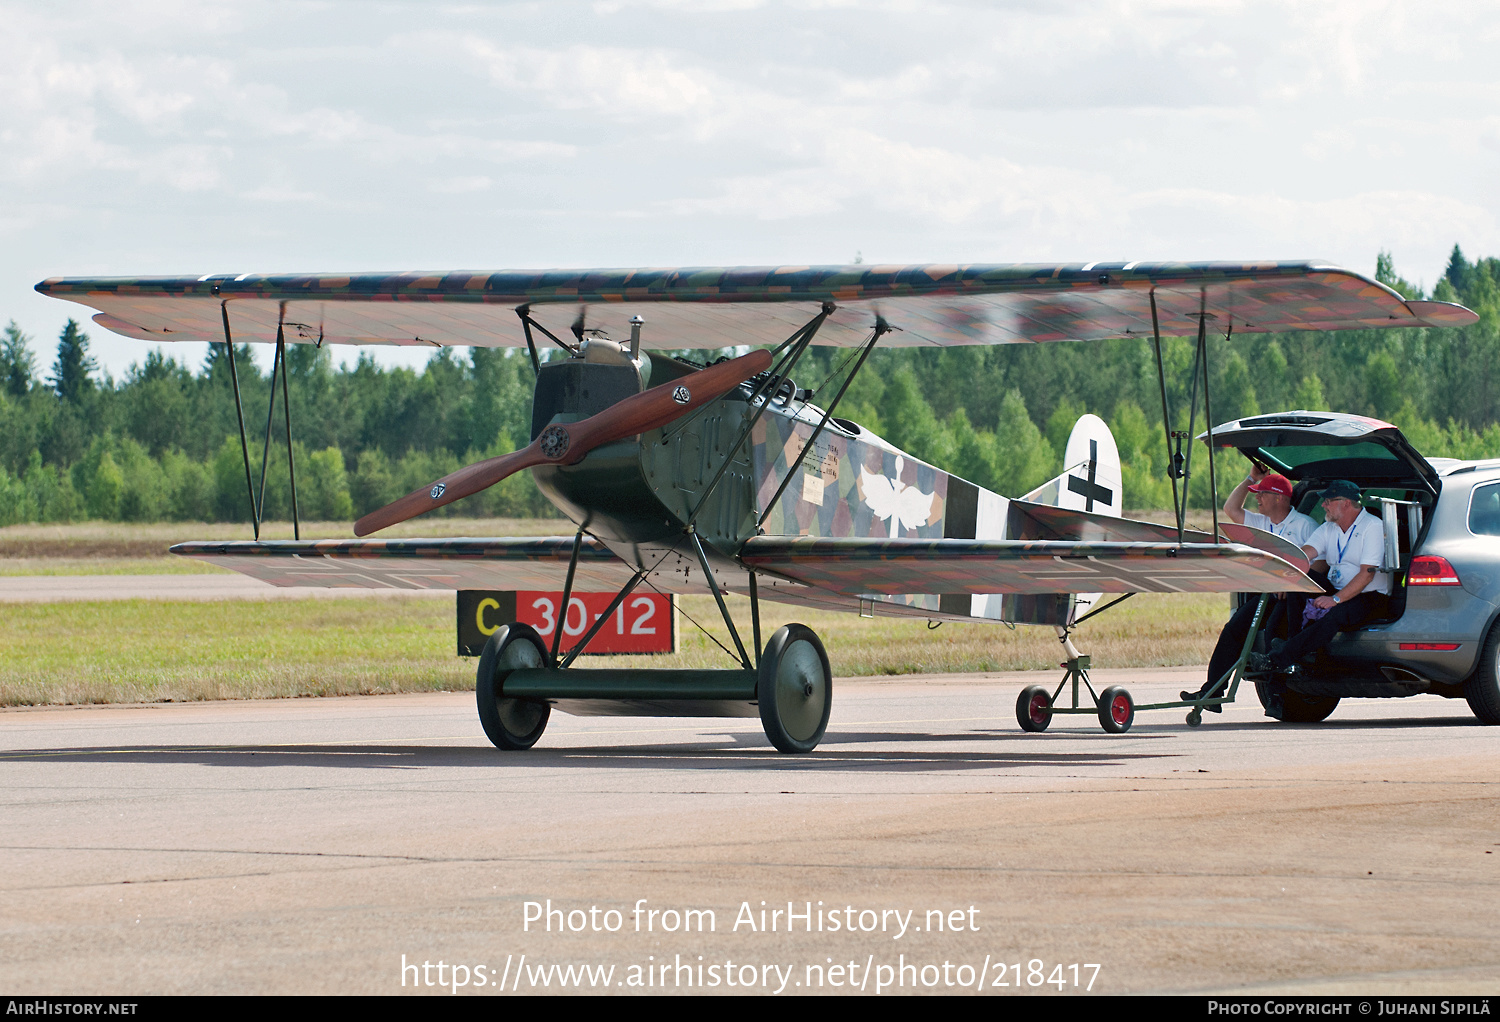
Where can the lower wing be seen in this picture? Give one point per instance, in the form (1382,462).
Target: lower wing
(838,568)
(540,563)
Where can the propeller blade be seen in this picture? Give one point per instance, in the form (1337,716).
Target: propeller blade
(465,482)
(568,443)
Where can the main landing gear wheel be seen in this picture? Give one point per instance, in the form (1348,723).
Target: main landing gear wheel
(795,689)
(513,724)
(1034,708)
(1116,710)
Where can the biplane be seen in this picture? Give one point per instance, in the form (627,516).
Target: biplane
(727,477)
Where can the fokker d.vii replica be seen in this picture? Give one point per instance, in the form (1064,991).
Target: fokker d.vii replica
(726,477)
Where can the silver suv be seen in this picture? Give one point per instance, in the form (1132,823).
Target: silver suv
(1442,525)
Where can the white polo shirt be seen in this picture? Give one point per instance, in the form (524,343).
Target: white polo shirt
(1347,552)
(1294,528)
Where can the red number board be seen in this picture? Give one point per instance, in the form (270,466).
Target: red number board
(643,623)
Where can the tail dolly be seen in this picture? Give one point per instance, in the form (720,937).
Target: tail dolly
(1114,707)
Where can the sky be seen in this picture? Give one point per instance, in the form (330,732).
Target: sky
(160,137)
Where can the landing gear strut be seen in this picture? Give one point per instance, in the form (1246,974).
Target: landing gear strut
(789,685)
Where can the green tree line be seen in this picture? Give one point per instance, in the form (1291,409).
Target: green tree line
(163,442)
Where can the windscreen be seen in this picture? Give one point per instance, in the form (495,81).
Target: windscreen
(1293,457)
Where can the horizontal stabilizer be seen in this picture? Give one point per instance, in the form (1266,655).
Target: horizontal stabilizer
(860,566)
(1042,521)
(1263,540)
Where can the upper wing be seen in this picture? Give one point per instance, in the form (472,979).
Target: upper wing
(859,566)
(716,307)
(418,563)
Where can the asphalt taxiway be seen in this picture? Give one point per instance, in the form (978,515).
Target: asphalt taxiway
(306,846)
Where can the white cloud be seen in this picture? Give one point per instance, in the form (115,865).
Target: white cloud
(461,185)
(160,136)
(273,193)
(623,82)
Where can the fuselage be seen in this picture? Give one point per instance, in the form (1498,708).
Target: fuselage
(649,488)
(639,495)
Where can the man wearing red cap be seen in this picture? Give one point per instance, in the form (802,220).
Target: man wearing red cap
(1273,494)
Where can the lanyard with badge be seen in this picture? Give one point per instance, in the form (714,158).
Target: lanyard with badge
(1335,572)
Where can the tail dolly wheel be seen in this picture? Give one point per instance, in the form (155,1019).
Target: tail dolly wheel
(1034,708)
(1116,710)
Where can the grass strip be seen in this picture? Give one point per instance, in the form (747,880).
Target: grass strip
(161,651)
(151,539)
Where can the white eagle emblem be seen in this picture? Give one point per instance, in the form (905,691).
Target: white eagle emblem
(906,506)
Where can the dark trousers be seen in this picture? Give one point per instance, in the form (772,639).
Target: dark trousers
(1344,617)
(1296,603)
(1232,639)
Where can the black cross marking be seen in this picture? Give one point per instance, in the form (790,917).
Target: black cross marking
(1091,490)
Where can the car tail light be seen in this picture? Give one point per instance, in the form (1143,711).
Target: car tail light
(1444,646)
(1431,571)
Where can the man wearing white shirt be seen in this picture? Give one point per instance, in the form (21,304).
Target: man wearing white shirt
(1273,495)
(1348,546)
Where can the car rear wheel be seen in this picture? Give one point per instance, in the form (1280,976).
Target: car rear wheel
(1293,707)
(1482,689)
(1302,709)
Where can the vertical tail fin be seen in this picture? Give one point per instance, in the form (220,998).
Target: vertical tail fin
(1090,479)
(1090,482)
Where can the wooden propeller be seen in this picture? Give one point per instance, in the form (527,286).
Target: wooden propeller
(567,443)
